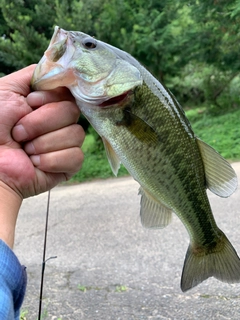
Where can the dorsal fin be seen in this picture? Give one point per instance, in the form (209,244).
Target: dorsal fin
(221,179)
(153,213)
(112,157)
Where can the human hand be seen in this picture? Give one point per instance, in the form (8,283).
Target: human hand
(39,147)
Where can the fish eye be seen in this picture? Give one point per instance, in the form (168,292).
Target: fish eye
(89,43)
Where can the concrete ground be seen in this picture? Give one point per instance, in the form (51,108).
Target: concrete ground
(108,266)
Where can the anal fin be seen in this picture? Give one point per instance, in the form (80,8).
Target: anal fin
(153,213)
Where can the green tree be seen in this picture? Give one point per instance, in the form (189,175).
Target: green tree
(192,46)
(149,30)
(215,43)
(24,35)
(27,26)
(140,27)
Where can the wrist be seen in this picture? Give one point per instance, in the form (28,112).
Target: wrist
(10,203)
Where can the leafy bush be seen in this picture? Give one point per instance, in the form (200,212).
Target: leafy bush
(200,84)
(221,132)
(192,46)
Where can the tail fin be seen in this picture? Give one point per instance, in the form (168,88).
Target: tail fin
(221,262)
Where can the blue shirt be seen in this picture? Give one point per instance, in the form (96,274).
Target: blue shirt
(13,280)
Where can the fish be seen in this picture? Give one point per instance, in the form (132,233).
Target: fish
(143,126)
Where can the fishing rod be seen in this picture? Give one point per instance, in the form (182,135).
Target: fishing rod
(44,259)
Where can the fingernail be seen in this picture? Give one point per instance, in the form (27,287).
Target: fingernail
(35,99)
(29,148)
(20,134)
(35,160)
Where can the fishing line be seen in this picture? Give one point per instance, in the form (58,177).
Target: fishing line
(43,260)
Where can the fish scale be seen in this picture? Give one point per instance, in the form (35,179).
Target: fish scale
(124,142)
(144,127)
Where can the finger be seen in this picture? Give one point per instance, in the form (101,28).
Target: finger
(67,161)
(48,118)
(39,98)
(19,81)
(67,137)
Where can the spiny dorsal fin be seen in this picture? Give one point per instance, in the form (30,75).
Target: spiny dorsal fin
(220,177)
(153,213)
(112,157)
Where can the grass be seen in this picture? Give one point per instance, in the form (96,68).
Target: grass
(24,313)
(82,288)
(121,288)
(118,288)
(221,131)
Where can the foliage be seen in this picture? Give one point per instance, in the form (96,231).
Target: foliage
(26,34)
(220,131)
(23,314)
(121,288)
(217,33)
(168,37)
(215,42)
(192,46)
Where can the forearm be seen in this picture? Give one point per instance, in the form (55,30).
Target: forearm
(13,280)
(10,203)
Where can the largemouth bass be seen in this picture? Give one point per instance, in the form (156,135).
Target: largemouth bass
(144,128)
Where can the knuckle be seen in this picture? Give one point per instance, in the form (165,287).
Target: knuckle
(77,161)
(79,158)
(75,134)
(79,134)
(66,161)
(74,110)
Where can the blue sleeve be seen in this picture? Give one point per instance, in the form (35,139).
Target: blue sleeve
(13,280)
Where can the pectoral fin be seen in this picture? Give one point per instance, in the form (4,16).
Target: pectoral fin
(142,130)
(112,157)
(153,213)
(221,179)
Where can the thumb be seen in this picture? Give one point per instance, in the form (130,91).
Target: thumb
(19,81)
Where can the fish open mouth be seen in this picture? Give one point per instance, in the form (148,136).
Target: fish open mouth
(115,100)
